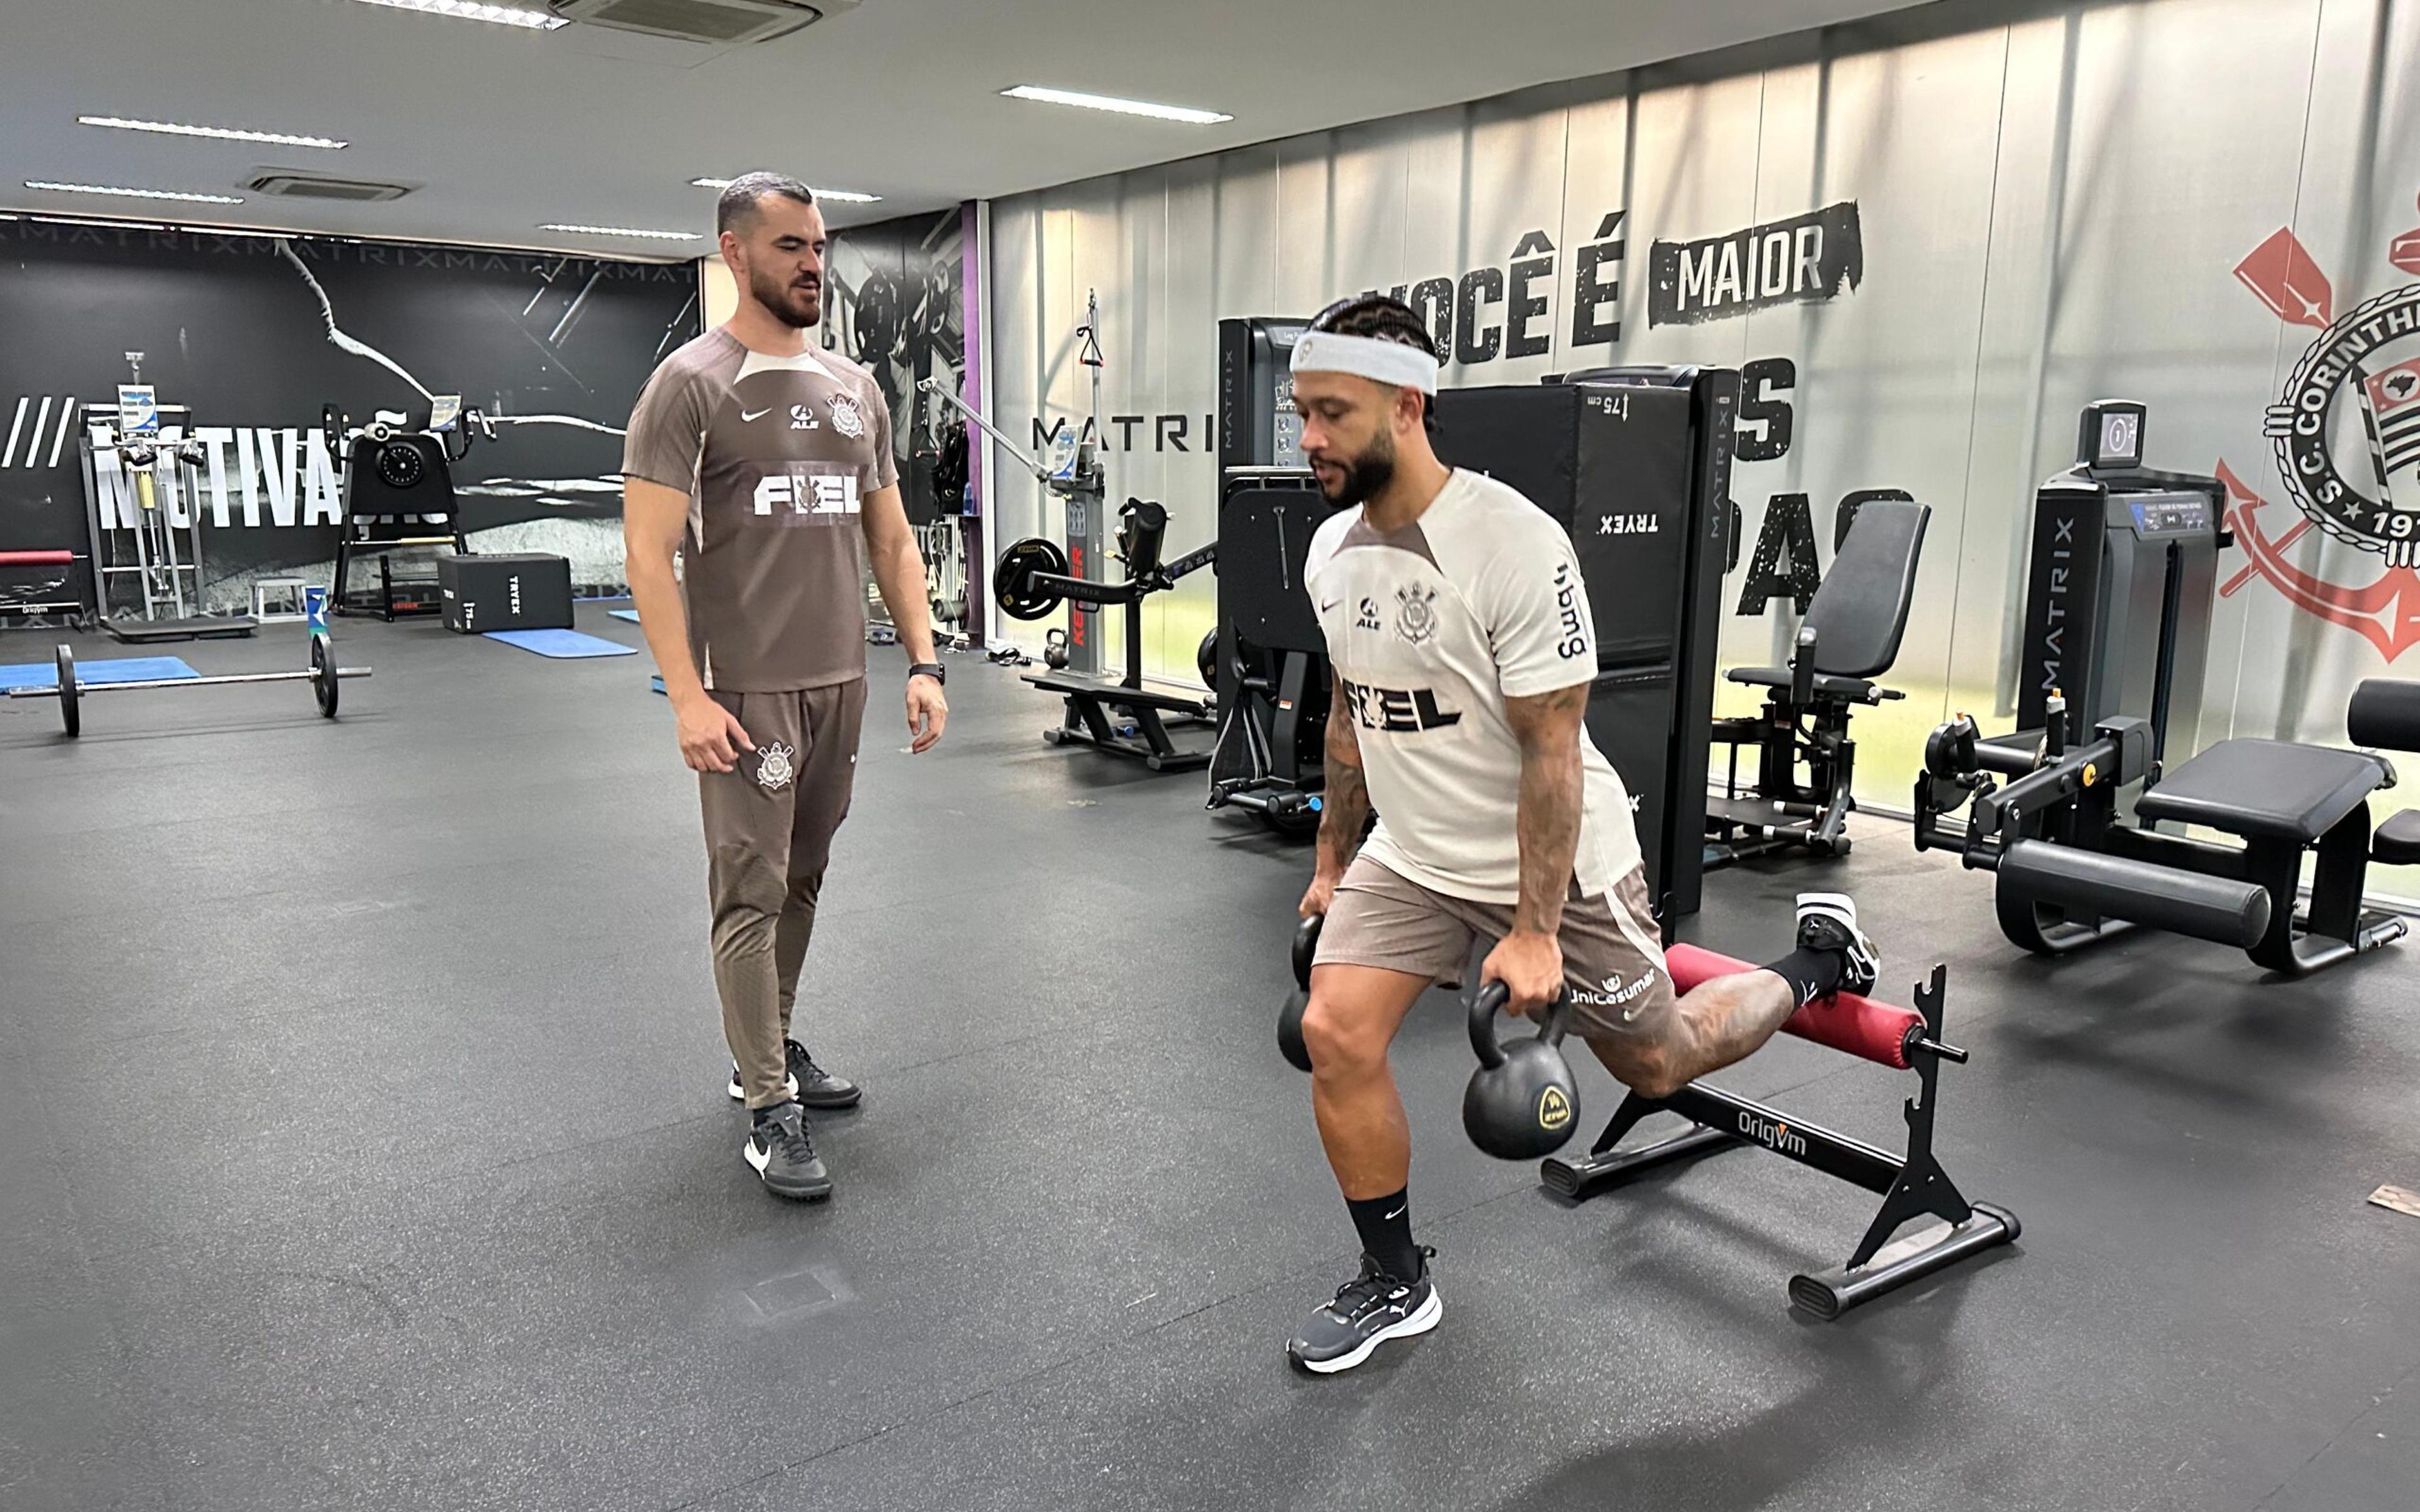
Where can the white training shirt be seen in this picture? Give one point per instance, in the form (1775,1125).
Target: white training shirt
(1432,628)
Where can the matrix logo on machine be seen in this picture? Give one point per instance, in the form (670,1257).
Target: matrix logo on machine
(2347,435)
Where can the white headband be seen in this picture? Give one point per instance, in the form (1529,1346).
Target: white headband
(1380,362)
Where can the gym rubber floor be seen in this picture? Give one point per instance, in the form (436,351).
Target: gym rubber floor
(361,1089)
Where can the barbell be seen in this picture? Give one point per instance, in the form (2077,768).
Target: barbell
(323,675)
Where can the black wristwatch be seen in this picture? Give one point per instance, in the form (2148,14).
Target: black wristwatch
(933,669)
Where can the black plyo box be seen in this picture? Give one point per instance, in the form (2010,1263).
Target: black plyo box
(525,591)
(1611,465)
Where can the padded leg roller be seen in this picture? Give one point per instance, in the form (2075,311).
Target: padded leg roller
(2159,896)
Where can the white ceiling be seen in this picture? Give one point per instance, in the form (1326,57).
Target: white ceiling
(508,129)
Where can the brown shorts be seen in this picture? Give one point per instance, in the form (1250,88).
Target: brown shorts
(1613,956)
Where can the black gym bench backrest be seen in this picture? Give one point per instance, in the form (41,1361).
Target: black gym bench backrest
(2386,714)
(1860,612)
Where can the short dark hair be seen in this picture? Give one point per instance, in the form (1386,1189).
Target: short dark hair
(1383,317)
(736,210)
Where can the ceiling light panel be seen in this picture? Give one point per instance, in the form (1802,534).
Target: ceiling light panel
(474,10)
(221,134)
(57,187)
(1124,107)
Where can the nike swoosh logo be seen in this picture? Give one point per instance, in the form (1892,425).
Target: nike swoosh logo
(1329,604)
(760,414)
(1397,1214)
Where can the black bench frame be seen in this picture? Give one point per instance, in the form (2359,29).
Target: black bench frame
(1850,634)
(1912,1186)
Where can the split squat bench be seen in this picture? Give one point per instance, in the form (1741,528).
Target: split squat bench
(1912,1186)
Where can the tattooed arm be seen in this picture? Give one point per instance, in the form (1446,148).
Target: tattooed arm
(1344,810)
(1530,961)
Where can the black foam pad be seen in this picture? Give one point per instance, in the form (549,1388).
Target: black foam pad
(2185,902)
(2385,714)
(2398,840)
(2266,789)
(1860,612)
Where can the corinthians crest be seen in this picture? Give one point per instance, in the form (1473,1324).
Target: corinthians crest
(1416,618)
(846,416)
(2347,435)
(776,764)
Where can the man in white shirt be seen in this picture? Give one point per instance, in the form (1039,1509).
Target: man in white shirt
(1459,629)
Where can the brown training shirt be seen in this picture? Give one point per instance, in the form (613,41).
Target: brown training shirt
(777,455)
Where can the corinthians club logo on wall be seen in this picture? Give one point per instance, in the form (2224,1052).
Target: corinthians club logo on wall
(2347,432)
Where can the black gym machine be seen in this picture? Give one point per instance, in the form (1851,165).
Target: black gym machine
(397,484)
(2116,630)
(1123,718)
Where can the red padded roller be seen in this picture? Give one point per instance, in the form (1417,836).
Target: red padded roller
(36,559)
(1856,1025)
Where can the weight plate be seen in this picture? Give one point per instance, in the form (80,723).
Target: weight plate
(1206,660)
(324,681)
(1010,581)
(401,466)
(1945,796)
(70,714)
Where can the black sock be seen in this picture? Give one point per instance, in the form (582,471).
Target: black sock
(1386,1225)
(1810,973)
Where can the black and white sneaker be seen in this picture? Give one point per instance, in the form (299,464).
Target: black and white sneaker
(783,1156)
(808,1083)
(1828,921)
(1370,1309)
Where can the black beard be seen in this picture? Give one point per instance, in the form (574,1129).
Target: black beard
(1366,476)
(798,309)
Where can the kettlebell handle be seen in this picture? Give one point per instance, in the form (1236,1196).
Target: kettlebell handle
(1493,999)
(1306,948)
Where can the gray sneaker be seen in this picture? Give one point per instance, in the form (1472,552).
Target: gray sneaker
(779,1149)
(1828,921)
(808,1084)
(1368,1311)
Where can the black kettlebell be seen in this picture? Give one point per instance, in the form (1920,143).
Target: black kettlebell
(1521,1102)
(1306,947)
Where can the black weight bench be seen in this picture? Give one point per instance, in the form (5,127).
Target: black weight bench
(2281,799)
(2387,715)
(2071,872)
(1850,637)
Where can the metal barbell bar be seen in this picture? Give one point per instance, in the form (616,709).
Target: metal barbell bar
(323,675)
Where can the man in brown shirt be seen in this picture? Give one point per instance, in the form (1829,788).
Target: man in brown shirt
(764,463)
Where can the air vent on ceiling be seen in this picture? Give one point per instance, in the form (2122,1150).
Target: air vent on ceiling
(291,185)
(717,23)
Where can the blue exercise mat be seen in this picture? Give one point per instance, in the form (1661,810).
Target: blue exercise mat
(629,614)
(122,670)
(562,644)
